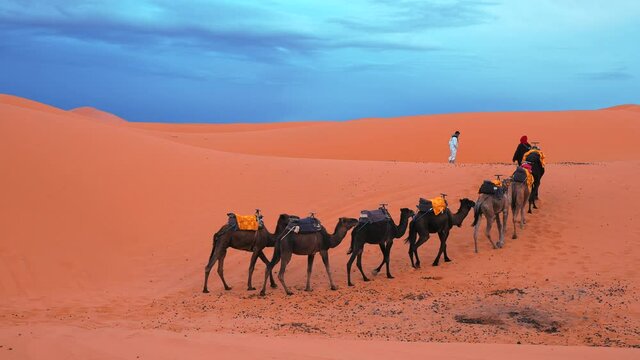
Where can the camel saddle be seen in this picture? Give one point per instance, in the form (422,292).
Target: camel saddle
(520,175)
(305,225)
(492,187)
(374,216)
(435,205)
(245,222)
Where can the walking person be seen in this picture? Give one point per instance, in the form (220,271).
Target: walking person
(453,147)
(522,148)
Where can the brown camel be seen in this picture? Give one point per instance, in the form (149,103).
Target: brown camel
(519,196)
(307,244)
(425,223)
(491,206)
(381,233)
(254,241)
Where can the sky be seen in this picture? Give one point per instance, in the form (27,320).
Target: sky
(275,60)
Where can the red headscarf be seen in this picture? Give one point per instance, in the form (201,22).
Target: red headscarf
(523,139)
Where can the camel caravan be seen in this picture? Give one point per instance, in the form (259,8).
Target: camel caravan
(307,236)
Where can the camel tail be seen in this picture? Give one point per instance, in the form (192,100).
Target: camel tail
(477,211)
(411,239)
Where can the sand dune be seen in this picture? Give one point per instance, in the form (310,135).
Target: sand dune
(99,115)
(567,136)
(110,227)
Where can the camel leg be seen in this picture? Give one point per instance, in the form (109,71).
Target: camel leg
(487,230)
(443,241)
(413,264)
(446,257)
(514,220)
(309,269)
(286,257)
(500,243)
(269,270)
(359,264)
(383,250)
(223,254)
(325,259)
(476,228)
(421,240)
(212,261)
(354,253)
(252,265)
(387,257)
(264,259)
(523,220)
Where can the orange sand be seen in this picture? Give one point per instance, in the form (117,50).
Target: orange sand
(106,227)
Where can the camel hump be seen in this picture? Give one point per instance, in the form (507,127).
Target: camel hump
(245,222)
(305,225)
(436,205)
(374,216)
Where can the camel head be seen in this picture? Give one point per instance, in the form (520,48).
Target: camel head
(407,212)
(467,204)
(348,223)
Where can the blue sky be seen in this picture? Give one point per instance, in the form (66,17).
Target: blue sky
(255,61)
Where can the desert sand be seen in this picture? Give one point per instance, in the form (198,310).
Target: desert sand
(106,225)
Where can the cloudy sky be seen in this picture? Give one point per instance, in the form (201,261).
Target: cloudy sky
(277,60)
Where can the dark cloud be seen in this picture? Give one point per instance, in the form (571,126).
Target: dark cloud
(406,16)
(201,26)
(611,75)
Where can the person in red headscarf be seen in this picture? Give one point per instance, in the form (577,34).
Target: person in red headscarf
(522,148)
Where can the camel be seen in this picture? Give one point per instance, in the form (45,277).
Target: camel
(254,241)
(491,206)
(307,244)
(381,233)
(425,223)
(519,195)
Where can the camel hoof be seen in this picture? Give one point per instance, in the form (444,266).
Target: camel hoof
(289,293)
(251,288)
(334,288)
(227,288)
(435,264)
(308,289)
(375,271)
(205,291)
(366,279)
(350,284)
(274,286)
(390,276)
(514,237)
(500,246)
(262,293)
(448,260)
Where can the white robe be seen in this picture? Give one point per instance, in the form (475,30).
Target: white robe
(453,147)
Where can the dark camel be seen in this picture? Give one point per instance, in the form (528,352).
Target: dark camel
(425,223)
(491,206)
(307,244)
(381,233)
(254,241)
(519,196)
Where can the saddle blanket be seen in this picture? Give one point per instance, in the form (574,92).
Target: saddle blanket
(374,216)
(305,226)
(491,187)
(437,205)
(534,155)
(245,222)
